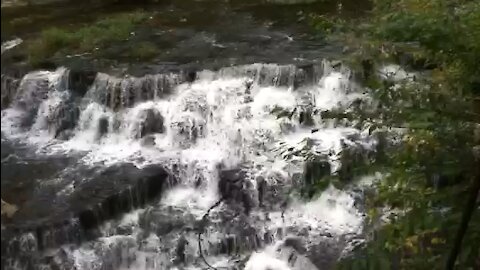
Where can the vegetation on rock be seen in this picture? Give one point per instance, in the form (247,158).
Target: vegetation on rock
(89,39)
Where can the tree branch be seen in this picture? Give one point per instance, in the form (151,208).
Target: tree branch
(200,231)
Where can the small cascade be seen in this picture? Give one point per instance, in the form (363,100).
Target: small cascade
(236,138)
(120,93)
(9,86)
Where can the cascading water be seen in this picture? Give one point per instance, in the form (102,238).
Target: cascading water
(225,137)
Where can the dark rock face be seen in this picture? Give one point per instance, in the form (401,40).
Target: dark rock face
(119,93)
(102,127)
(190,75)
(9,87)
(306,117)
(64,119)
(106,194)
(80,81)
(270,188)
(32,90)
(116,190)
(148,140)
(180,249)
(314,171)
(21,173)
(261,189)
(234,189)
(324,253)
(164,220)
(150,121)
(351,156)
(296,244)
(367,69)
(308,74)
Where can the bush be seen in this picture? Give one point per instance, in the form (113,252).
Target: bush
(431,167)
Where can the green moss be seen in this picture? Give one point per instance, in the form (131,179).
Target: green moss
(144,51)
(86,39)
(51,41)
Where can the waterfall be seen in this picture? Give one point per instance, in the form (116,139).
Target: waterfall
(221,134)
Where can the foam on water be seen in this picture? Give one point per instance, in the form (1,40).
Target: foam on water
(333,212)
(277,256)
(264,261)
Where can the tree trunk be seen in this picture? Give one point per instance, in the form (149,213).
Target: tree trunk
(471,203)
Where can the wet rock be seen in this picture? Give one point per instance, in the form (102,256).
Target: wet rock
(102,128)
(21,175)
(98,195)
(150,121)
(188,127)
(190,75)
(64,119)
(19,248)
(367,69)
(261,189)
(234,189)
(295,243)
(268,74)
(9,87)
(308,74)
(60,260)
(276,75)
(148,141)
(313,173)
(306,117)
(80,81)
(124,92)
(352,156)
(116,190)
(162,221)
(32,90)
(445,180)
(272,191)
(324,252)
(413,61)
(180,249)
(336,64)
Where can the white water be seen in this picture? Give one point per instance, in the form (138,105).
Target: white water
(7,45)
(213,120)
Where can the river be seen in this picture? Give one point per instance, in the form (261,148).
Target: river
(191,161)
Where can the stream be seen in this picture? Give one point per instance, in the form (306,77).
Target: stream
(185,162)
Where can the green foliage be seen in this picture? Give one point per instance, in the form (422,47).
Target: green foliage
(431,165)
(326,24)
(86,39)
(448,31)
(52,40)
(426,172)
